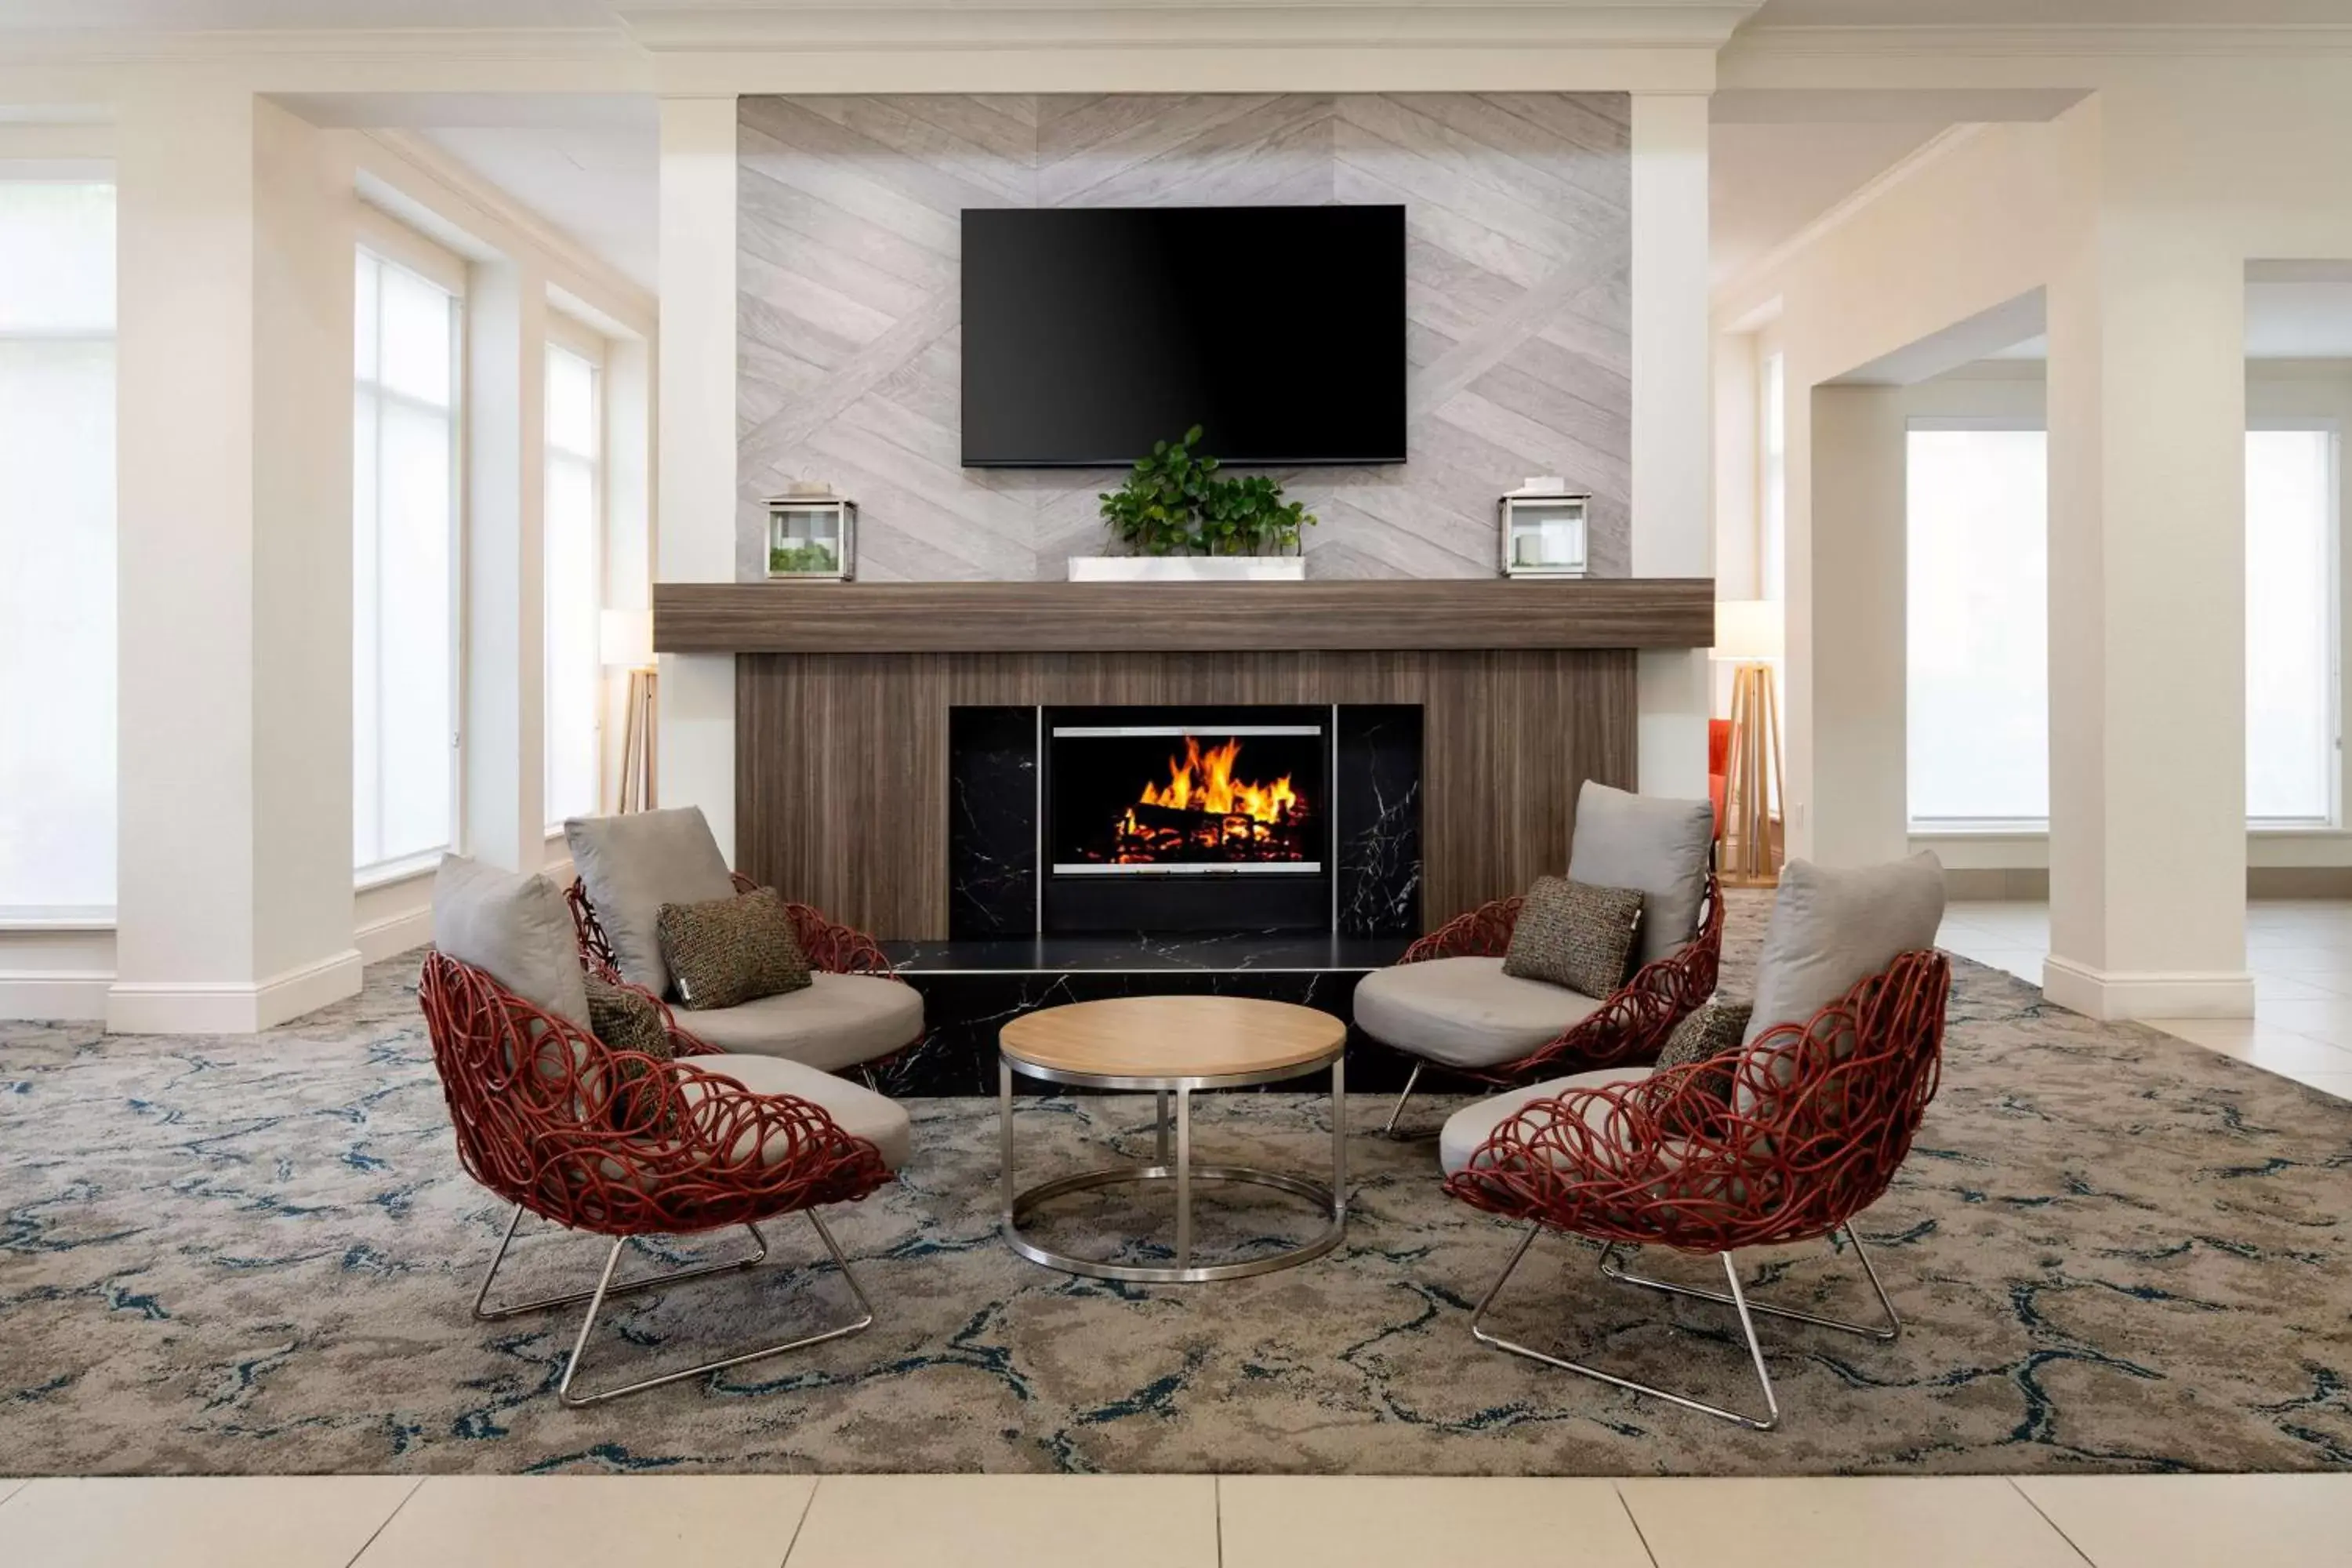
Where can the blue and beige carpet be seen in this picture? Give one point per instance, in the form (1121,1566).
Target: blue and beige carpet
(2114,1250)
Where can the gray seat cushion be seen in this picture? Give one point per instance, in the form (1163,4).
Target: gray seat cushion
(514,927)
(635,864)
(859,1111)
(1834,928)
(1469,1128)
(1658,848)
(838,1021)
(1464,1012)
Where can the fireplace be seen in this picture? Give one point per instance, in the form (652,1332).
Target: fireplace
(1184,818)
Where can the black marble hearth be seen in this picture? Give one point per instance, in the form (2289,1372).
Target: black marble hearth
(972,988)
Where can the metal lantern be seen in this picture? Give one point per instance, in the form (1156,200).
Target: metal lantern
(813,536)
(1543,530)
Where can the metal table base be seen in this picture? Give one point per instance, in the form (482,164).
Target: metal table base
(1332,1201)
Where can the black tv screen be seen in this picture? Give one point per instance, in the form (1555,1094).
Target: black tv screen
(1089,333)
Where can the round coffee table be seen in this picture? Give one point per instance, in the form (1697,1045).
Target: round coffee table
(1172,1046)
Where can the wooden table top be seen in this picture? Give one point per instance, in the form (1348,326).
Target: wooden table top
(1173,1037)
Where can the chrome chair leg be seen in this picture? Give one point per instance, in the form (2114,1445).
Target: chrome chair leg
(1738,1297)
(1411,1079)
(863,1320)
(865,1075)
(500,1314)
(1884,1333)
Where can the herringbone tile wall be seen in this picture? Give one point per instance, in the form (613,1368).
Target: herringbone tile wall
(1517,249)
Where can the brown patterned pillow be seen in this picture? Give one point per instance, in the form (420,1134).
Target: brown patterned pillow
(1575,934)
(626,1020)
(1711,1032)
(727,952)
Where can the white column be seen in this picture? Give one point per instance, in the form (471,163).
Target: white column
(505,750)
(2148,832)
(234,486)
(1673,396)
(695,526)
(1855,598)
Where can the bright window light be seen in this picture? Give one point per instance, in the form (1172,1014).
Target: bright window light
(403,567)
(574,688)
(2291,664)
(1978,628)
(56,548)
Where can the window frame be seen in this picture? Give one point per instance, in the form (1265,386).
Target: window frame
(389,243)
(2333,429)
(563,334)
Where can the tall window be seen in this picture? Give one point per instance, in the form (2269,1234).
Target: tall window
(57,547)
(404,568)
(2291,638)
(1772,481)
(575,675)
(1978,627)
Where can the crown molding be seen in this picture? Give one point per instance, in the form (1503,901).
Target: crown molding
(1908,167)
(455,45)
(889,26)
(2035,41)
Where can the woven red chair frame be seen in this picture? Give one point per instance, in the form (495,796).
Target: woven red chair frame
(1630,1026)
(1662,1159)
(548,1117)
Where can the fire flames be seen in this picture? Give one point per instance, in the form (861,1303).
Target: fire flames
(1203,780)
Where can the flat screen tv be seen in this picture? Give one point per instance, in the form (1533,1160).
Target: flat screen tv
(1089,333)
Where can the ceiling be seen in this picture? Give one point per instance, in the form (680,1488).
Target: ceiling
(2047,13)
(2306,319)
(600,184)
(1766,182)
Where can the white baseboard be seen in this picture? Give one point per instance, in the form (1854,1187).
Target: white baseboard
(2124,993)
(61,995)
(394,934)
(229,1006)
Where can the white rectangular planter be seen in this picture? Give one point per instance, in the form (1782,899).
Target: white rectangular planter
(1188,568)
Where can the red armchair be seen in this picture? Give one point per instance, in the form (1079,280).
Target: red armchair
(1821,1116)
(620,1144)
(1631,1026)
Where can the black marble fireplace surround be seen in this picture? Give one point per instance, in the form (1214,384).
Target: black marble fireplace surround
(1016,942)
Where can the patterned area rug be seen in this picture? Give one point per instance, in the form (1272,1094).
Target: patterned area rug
(2113,1251)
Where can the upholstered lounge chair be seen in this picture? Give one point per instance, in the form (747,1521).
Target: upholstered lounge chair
(1448,1004)
(855,1013)
(1785,1141)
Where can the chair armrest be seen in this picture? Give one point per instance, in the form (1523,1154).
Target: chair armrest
(1483,932)
(830,945)
(595,947)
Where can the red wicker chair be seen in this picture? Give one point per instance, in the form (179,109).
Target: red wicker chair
(620,1144)
(830,946)
(1820,1118)
(1631,1026)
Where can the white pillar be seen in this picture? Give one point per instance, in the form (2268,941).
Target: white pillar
(505,736)
(233,365)
(2147,832)
(1672,395)
(1855,598)
(695,526)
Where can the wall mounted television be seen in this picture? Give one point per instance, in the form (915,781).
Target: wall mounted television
(1091,332)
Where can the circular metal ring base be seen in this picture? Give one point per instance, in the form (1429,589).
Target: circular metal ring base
(1026,1203)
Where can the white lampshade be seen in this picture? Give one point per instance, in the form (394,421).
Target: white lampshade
(1748,631)
(625,638)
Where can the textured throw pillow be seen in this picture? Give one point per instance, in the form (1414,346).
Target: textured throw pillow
(1657,846)
(1574,934)
(632,865)
(514,927)
(626,1020)
(1715,1028)
(727,952)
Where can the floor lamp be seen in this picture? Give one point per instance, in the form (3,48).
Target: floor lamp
(1748,636)
(627,643)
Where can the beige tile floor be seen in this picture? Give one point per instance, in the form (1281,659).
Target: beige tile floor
(1179,1521)
(2299,949)
(2300,953)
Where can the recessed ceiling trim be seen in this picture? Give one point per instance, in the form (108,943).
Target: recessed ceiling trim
(1767,41)
(1903,169)
(337,46)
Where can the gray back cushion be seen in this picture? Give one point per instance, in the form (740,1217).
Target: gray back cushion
(514,927)
(632,866)
(1656,847)
(1834,928)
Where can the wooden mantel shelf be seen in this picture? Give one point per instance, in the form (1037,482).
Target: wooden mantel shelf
(1351,614)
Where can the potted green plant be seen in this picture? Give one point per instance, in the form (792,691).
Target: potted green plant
(1178,519)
